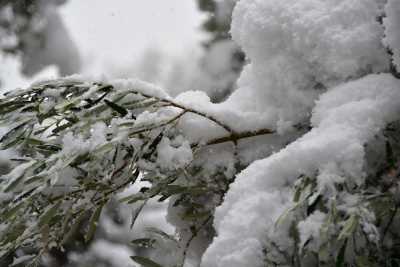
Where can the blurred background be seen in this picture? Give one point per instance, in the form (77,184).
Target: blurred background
(179,45)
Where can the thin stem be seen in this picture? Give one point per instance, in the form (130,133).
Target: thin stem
(159,125)
(237,136)
(187,109)
(189,242)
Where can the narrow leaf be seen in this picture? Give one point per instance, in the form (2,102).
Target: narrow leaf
(145,262)
(340,259)
(94,219)
(48,215)
(121,110)
(349,227)
(11,212)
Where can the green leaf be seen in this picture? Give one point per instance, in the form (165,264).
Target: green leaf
(160,233)
(34,179)
(133,198)
(43,116)
(145,262)
(363,261)
(61,128)
(340,259)
(26,259)
(324,253)
(304,189)
(282,218)
(14,136)
(144,103)
(48,215)
(136,213)
(11,212)
(171,190)
(17,175)
(106,88)
(14,183)
(349,227)
(104,148)
(74,228)
(34,142)
(121,110)
(80,159)
(48,147)
(13,233)
(12,106)
(94,219)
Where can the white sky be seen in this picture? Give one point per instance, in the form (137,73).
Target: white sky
(115,33)
(119,30)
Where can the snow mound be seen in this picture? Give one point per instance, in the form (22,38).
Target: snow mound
(345,118)
(298,49)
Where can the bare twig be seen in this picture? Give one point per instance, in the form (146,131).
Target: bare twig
(159,125)
(237,136)
(190,110)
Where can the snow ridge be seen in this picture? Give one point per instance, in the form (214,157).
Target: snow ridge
(301,51)
(345,119)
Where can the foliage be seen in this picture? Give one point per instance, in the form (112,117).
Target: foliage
(79,144)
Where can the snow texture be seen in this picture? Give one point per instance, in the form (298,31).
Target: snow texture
(299,48)
(113,254)
(345,118)
(392,33)
(316,62)
(310,227)
(173,158)
(301,51)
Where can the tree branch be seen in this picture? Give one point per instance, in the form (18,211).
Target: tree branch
(237,136)
(187,109)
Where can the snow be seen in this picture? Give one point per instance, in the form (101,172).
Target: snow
(345,118)
(310,228)
(392,24)
(173,158)
(73,144)
(22,259)
(294,57)
(13,176)
(140,87)
(327,178)
(219,75)
(299,52)
(113,254)
(317,63)
(331,38)
(299,48)
(5,197)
